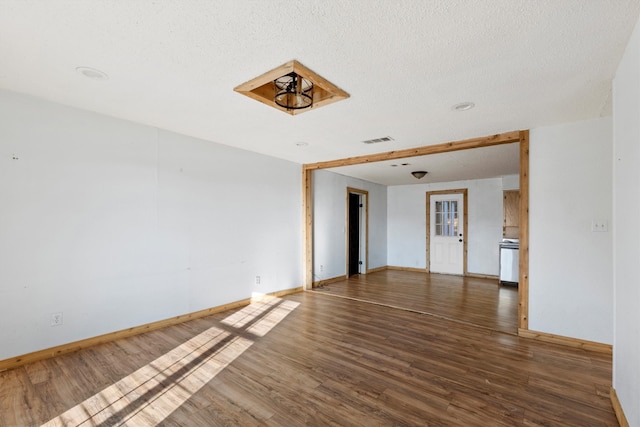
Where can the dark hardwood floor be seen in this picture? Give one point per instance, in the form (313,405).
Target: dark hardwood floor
(476,301)
(314,359)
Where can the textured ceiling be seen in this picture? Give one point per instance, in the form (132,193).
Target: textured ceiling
(174,64)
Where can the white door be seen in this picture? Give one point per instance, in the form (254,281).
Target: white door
(446,235)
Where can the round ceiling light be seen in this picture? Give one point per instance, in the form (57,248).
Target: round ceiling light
(293,92)
(92,73)
(463,106)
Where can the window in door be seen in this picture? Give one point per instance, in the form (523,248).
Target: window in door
(446,218)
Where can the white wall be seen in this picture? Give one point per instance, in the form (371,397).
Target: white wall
(570,266)
(407,229)
(329,223)
(511,182)
(117,224)
(626,236)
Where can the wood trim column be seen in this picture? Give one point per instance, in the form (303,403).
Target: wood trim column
(307,203)
(523,285)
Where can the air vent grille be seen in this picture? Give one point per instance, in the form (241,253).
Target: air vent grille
(377,140)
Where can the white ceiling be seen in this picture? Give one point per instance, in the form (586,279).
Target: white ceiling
(174,64)
(479,163)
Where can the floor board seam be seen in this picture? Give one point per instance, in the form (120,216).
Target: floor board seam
(412,310)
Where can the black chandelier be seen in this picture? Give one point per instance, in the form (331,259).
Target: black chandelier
(293,92)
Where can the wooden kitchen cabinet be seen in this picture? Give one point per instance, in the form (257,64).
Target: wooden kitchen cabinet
(511,207)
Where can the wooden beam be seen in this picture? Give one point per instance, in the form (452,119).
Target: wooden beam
(307,202)
(467,144)
(523,283)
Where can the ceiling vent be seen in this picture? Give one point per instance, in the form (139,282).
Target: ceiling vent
(292,88)
(378,140)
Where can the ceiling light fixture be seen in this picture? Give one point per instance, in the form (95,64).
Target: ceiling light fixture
(293,92)
(92,73)
(419,174)
(463,106)
(292,88)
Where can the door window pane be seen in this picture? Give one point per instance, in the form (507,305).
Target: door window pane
(447,218)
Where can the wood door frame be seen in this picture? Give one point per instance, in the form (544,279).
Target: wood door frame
(465,224)
(521,137)
(352,190)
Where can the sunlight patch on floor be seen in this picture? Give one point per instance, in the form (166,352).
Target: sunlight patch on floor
(150,394)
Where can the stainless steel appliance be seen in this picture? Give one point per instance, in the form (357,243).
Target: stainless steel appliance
(509,261)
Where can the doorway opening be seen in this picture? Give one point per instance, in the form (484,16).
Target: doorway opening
(357,231)
(521,137)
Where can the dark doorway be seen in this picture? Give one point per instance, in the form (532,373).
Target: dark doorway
(354,234)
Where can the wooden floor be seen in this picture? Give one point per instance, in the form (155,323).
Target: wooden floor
(314,359)
(480,302)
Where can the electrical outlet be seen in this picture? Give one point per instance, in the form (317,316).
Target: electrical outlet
(321,268)
(257,280)
(56,319)
(599,225)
